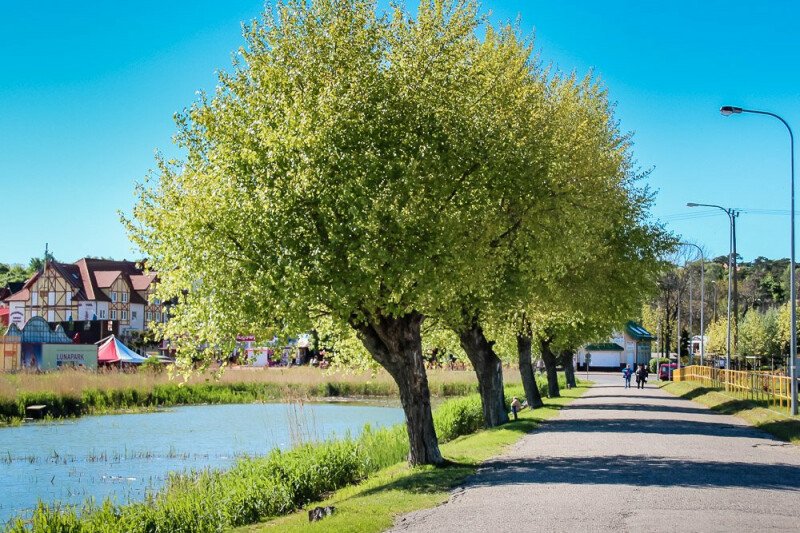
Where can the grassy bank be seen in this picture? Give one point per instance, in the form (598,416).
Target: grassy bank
(755,413)
(373,505)
(74,393)
(279,483)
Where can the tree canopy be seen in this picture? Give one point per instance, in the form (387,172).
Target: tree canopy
(365,169)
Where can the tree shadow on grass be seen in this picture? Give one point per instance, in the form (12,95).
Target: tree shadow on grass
(699,391)
(452,473)
(788,430)
(425,480)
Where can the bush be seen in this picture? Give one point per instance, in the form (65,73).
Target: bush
(655,363)
(152,365)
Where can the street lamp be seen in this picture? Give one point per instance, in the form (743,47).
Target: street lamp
(731,216)
(702,304)
(728,110)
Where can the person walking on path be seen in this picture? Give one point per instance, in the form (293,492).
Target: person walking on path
(641,377)
(627,372)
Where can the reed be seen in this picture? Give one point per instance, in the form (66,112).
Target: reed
(76,393)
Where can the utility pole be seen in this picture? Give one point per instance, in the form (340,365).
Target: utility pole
(691,347)
(715,301)
(735,284)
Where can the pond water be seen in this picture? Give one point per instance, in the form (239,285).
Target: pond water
(123,456)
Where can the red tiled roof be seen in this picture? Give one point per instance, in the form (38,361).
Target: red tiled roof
(142,282)
(106,278)
(19,296)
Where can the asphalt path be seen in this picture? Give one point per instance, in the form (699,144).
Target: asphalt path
(621,459)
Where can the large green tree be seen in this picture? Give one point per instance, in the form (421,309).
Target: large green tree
(336,172)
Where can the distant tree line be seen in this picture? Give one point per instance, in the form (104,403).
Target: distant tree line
(759,311)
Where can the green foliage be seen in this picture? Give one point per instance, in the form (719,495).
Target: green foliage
(655,363)
(460,416)
(152,365)
(759,333)
(11,273)
(717,333)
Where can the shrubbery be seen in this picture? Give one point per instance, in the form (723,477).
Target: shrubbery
(655,363)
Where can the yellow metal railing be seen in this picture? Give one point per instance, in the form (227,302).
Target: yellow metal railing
(761,386)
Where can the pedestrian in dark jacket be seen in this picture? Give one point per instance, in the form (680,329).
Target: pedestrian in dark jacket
(641,376)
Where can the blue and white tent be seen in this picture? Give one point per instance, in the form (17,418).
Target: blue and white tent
(113,351)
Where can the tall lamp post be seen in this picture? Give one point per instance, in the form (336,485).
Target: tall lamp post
(702,304)
(731,217)
(728,110)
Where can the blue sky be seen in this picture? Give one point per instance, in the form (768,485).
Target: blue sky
(88,91)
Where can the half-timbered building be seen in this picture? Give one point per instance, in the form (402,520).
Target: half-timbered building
(89,290)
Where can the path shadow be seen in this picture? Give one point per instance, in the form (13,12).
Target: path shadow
(654,426)
(639,471)
(637,407)
(659,398)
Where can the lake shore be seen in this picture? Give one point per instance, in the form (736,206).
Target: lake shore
(73,394)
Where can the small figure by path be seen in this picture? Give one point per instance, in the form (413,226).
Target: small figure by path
(641,376)
(627,373)
(516,407)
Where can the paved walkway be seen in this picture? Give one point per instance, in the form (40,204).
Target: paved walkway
(629,460)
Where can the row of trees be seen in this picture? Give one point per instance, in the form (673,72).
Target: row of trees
(761,333)
(384,176)
(762,289)
(15,273)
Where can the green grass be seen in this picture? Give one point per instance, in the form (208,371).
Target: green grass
(755,413)
(372,505)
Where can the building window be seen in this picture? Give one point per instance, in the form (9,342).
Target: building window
(113,314)
(34,299)
(34,313)
(124,297)
(158,316)
(102,313)
(149,316)
(51,316)
(51,298)
(114,297)
(124,315)
(69,298)
(134,314)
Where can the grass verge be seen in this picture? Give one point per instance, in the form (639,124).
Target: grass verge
(757,414)
(372,505)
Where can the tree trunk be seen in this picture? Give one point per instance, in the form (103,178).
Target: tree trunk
(550,362)
(396,344)
(526,371)
(489,370)
(569,370)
